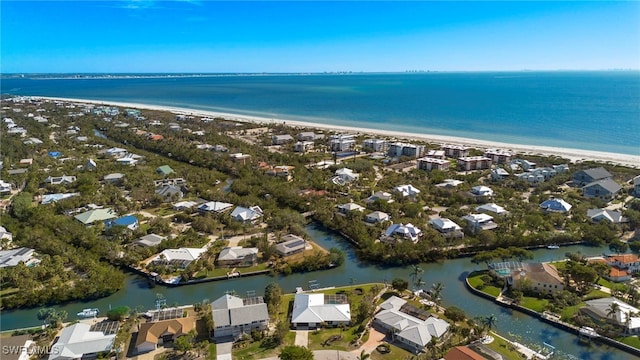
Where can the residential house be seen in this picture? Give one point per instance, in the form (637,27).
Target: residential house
(540,277)
(157,333)
(246,215)
(282,171)
(303,146)
(220,148)
(174,181)
(555,205)
(49,198)
(402,231)
(498,156)
(90,165)
(115,152)
(342,142)
(281,139)
(455,151)
(636,186)
(526,165)
(214,207)
(379,196)
(403,149)
(184,205)
(115,178)
(377,217)
(446,227)
(150,240)
(493,208)
(240,157)
(95,215)
(309,136)
(347,175)
(481,191)
(6,237)
(375,145)
(128,160)
(13,257)
(605,189)
(311,311)
(180,258)
(477,222)
(431,163)
(60,180)
(129,221)
(407,190)
(449,183)
(16,171)
(474,163)
(435,154)
(237,256)
(27,162)
(83,341)
(533,177)
(234,316)
(597,215)
(291,244)
(5,188)
(624,315)
(169,193)
(164,170)
(462,353)
(627,262)
(344,209)
(584,177)
(411,327)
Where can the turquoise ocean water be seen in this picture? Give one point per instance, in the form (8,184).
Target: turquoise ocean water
(583,110)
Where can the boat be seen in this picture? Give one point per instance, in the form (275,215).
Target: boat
(88,313)
(554,246)
(585,334)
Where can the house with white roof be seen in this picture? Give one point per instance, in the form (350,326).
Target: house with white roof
(247,215)
(5,187)
(291,244)
(6,237)
(179,257)
(347,175)
(446,227)
(555,205)
(60,180)
(407,190)
(411,327)
(237,256)
(481,190)
(344,209)
(234,316)
(597,215)
(408,231)
(10,258)
(49,198)
(281,139)
(214,207)
(303,146)
(80,341)
(342,142)
(477,222)
(309,136)
(449,183)
(184,205)
(493,208)
(379,196)
(377,217)
(625,316)
(405,149)
(311,311)
(498,174)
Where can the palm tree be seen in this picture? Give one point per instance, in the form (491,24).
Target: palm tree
(415,275)
(614,308)
(363,356)
(489,322)
(436,291)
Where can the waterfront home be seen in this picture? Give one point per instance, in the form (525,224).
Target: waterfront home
(446,227)
(49,198)
(411,327)
(449,183)
(237,256)
(342,142)
(95,215)
(555,205)
(627,262)
(470,163)
(234,316)
(616,312)
(401,231)
(150,240)
(311,311)
(614,217)
(455,151)
(431,163)
(303,146)
(346,175)
(164,170)
(309,136)
(180,258)
(375,145)
(403,149)
(169,193)
(153,334)
(605,189)
(407,190)
(82,341)
(129,221)
(60,180)
(538,277)
(584,177)
(281,139)
(214,207)
(462,353)
(477,222)
(379,196)
(481,191)
(247,215)
(291,244)
(499,156)
(377,217)
(493,208)
(115,178)
(344,209)
(10,258)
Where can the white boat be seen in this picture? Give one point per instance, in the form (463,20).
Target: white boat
(553,247)
(88,313)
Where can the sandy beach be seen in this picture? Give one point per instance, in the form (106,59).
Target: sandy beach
(575,155)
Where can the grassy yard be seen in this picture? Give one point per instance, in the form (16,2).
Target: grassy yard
(318,340)
(595,294)
(396,353)
(567,313)
(504,348)
(223,271)
(631,341)
(256,351)
(534,304)
(475,280)
(212,352)
(606,283)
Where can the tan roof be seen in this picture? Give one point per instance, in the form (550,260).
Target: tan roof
(463,353)
(151,331)
(541,273)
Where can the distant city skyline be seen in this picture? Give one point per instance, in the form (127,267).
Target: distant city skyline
(139,36)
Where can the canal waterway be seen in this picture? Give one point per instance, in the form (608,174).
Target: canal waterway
(451,273)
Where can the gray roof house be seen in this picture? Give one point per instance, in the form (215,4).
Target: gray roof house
(13,257)
(376,217)
(80,341)
(237,256)
(281,139)
(614,217)
(291,244)
(169,193)
(150,240)
(60,180)
(214,206)
(446,227)
(115,178)
(313,310)
(349,207)
(584,177)
(605,189)
(234,316)
(244,214)
(411,327)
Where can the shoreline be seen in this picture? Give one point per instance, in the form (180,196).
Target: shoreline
(574,155)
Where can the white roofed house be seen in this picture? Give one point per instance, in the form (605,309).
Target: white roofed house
(344,209)
(237,256)
(150,240)
(477,222)
(555,205)
(291,244)
(342,142)
(169,193)
(624,316)
(404,149)
(234,316)
(481,191)
(214,207)
(247,215)
(5,187)
(178,257)
(498,174)
(281,139)
(309,136)
(347,175)
(81,341)
(311,311)
(446,227)
(493,208)
(407,190)
(401,231)
(6,237)
(303,146)
(597,215)
(10,258)
(379,196)
(60,180)
(377,217)
(411,327)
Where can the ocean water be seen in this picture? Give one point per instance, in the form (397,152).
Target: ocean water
(583,110)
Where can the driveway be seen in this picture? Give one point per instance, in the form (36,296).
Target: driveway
(302,338)
(375,338)
(223,350)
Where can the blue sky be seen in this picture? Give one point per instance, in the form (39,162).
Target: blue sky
(305,36)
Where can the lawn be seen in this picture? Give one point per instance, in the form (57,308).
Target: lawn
(534,304)
(396,353)
(606,283)
(475,281)
(631,341)
(318,340)
(567,313)
(596,294)
(504,348)
(256,351)
(212,352)
(223,271)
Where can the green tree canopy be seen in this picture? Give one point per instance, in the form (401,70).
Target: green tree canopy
(294,352)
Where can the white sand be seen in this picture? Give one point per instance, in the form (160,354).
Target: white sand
(575,155)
